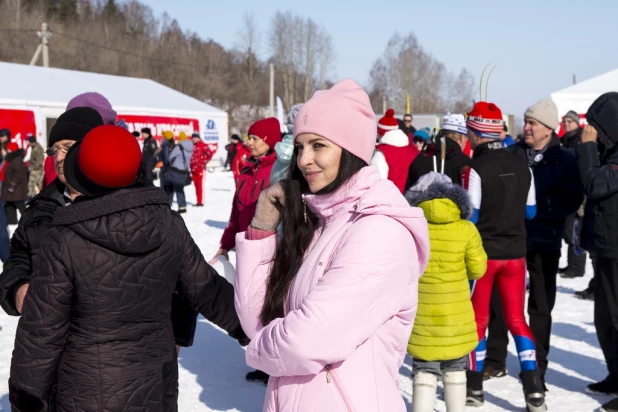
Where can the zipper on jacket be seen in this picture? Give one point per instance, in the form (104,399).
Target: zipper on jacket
(331,376)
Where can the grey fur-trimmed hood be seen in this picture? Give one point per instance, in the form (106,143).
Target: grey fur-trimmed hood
(441,190)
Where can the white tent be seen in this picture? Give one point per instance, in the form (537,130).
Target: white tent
(580,96)
(142,102)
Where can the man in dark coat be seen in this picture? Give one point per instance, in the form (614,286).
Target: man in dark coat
(149,153)
(576,266)
(598,166)
(15,184)
(559,194)
(106,275)
(407,127)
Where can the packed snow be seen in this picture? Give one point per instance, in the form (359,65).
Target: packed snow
(212,371)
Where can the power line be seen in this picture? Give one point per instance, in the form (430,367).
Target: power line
(145,57)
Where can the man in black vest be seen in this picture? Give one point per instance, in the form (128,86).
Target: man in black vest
(559,194)
(502,193)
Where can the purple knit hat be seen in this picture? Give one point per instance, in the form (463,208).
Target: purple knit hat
(97,102)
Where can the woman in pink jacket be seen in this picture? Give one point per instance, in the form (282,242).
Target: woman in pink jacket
(330,303)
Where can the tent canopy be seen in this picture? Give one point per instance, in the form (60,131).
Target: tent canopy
(580,96)
(53,88)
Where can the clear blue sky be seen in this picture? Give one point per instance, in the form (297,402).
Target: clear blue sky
(539,44)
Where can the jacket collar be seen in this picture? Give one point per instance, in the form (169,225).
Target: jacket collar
(263,161)
(553,148)
(487,147)
(395,138)
(347,198)
(87,208)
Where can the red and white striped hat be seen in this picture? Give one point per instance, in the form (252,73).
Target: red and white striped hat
(388,122)
(486,120)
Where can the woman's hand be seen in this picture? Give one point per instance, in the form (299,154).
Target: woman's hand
(268,212)
(589,134)
(220,252)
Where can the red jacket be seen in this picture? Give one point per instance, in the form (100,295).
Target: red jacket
(254,178)
(200,157)
(240,160)
(49,174)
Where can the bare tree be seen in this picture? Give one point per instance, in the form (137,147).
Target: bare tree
(303,53)
(406,69)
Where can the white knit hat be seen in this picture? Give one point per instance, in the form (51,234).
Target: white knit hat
(545,112)
(455,123)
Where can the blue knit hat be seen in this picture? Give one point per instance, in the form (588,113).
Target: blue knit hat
(424,133)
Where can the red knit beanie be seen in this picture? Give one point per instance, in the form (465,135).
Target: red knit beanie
(268,130)
(388,122)
(486,120)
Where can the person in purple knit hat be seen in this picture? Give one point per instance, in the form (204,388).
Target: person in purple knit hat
(97,102)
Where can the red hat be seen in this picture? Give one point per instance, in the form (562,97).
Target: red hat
(12,147)
(108,158)
(268,130)
(486,119)
(388,122)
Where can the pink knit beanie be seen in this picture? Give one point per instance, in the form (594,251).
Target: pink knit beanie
(343,115)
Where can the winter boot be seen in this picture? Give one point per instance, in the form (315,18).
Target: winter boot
(608,386)
(533,391)
(455,391)
(474,389)
(182,210)
(490,372)
(424,392)
(199,205)
(611,406)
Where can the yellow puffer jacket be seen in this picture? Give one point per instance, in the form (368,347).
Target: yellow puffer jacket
(445,327)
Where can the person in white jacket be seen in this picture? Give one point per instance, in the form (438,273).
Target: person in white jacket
(394,154)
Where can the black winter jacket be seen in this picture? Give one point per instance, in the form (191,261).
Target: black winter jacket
(25,245)
(572,139)
(559,193)
(26,241)
(96,332)
(15,185)
(456,160)
(598,166)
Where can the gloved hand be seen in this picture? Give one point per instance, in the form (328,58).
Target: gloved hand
(268,211)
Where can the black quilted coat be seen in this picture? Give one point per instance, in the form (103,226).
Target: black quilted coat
(96,332)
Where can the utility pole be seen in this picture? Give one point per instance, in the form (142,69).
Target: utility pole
(272,90)
(44,35)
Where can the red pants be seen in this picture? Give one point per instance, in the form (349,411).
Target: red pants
(510,279)
(198,182)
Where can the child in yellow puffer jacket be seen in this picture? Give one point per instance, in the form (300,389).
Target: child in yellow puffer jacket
(445,329)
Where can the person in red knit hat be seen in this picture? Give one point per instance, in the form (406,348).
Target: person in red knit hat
(199,160)
(98,313)
(503,196)
(394,154)
(255,177)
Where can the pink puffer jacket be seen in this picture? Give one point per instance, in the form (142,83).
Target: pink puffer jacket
(351,306)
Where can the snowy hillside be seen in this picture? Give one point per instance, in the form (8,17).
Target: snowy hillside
(212,371)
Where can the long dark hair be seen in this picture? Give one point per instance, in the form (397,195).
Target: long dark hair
(298,234)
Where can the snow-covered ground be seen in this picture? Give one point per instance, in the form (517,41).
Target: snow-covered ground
(212,371)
